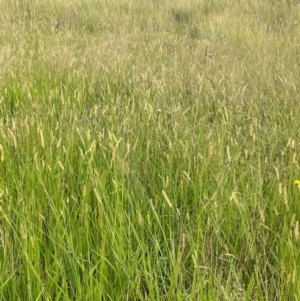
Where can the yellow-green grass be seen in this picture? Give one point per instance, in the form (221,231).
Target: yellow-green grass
(148,150)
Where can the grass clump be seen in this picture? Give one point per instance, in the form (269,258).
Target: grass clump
(148,150)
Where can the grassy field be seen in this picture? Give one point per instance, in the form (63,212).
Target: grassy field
(148,150)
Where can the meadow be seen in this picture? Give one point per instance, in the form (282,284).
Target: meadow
(148,150)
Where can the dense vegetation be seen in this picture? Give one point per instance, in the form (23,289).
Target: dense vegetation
(148,150)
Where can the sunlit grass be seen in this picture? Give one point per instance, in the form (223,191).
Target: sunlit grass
(148,150)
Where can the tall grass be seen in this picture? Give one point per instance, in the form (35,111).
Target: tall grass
(148,150)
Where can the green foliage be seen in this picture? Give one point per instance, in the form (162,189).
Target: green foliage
(148,150)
